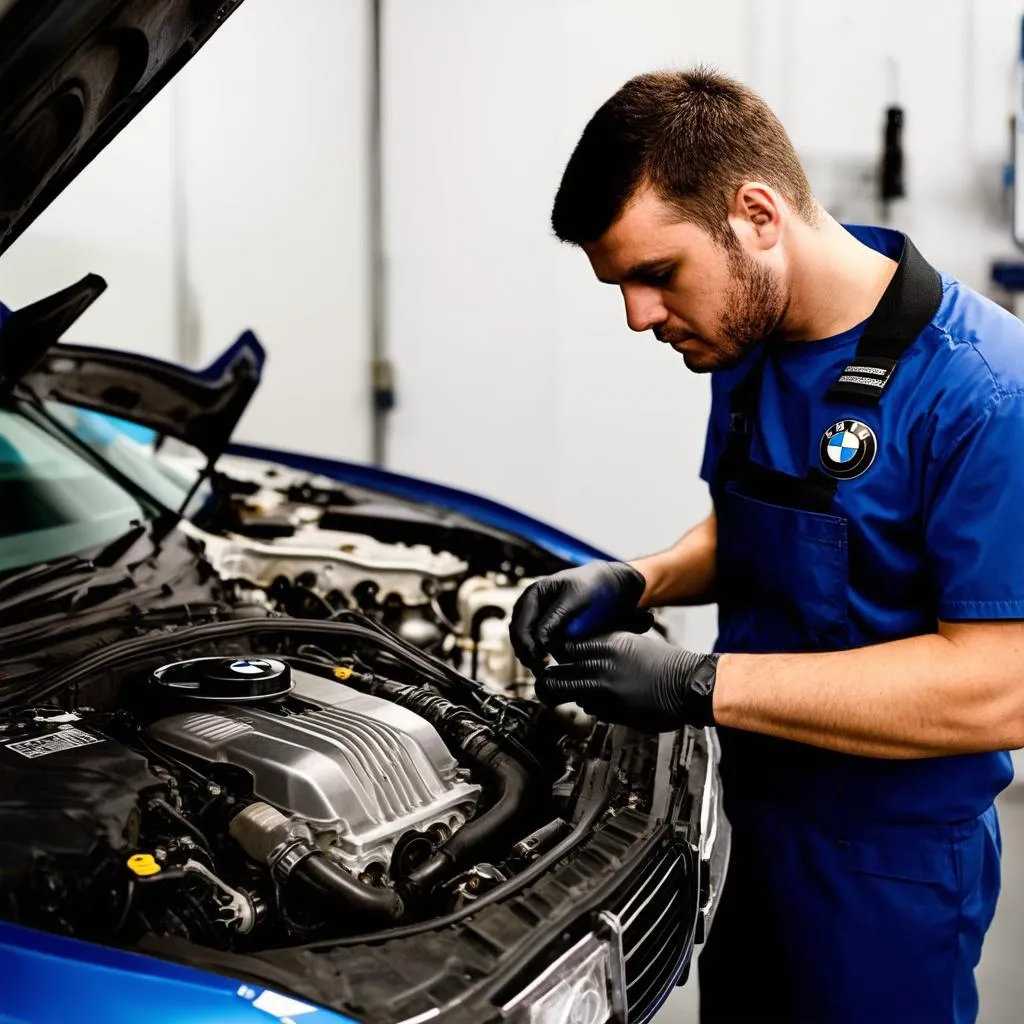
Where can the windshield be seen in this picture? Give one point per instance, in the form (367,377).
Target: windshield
(53,501)
(127,448)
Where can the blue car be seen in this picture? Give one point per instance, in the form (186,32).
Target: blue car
(265,750)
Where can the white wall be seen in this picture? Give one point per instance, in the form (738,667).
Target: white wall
(114,220)
(275,146)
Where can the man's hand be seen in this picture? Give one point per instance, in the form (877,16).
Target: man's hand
(576,604)
(641,681)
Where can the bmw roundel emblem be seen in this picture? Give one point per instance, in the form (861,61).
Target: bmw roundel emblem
(244,667)
(847,449)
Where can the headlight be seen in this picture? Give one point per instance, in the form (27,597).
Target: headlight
(581,987)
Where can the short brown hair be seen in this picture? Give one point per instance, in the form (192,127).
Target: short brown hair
(694,137)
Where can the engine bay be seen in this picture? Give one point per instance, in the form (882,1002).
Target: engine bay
(255,784)
(309,732)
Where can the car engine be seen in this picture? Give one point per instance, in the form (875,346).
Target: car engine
(305,780)
(356,770)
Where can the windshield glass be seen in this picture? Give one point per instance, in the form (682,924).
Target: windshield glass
(53,501)
(127,449)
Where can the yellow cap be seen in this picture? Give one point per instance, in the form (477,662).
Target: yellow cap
(143,864)
(342,672)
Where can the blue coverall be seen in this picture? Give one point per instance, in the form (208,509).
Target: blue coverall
(860,889)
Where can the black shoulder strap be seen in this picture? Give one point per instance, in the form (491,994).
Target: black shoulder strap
(903,312)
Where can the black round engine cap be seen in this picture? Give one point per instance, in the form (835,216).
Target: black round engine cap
(226,679)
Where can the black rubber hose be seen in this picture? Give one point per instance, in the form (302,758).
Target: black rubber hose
(329,880)
(513,785)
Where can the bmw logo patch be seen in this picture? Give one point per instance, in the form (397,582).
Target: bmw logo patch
(847,449)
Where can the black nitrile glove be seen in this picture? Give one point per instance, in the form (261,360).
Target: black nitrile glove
(576,604)
(641,681)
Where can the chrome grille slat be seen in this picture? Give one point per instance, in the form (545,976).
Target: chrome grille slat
(658,885)
(652,962)
(641,1001)
(676,897)
(654,931)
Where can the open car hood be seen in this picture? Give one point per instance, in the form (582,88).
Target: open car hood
(73,73)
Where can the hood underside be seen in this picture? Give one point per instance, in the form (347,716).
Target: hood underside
(73,73)
(200,407)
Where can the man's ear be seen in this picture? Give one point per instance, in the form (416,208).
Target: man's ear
(756,214)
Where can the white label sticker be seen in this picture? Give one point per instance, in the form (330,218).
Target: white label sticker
(65,739)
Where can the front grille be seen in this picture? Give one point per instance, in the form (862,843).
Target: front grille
(657,917)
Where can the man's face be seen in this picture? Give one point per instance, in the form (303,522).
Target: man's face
(712,304)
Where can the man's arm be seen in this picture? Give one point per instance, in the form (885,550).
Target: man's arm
(958,691)
(685,573)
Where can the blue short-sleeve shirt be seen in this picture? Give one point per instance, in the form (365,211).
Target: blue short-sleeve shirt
(936,523)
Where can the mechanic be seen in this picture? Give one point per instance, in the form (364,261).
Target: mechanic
(865,459)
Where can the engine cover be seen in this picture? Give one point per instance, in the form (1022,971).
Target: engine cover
(359,770)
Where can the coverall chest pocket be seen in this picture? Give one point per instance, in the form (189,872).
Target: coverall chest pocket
(783,576)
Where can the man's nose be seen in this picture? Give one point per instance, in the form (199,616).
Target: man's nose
(644,308)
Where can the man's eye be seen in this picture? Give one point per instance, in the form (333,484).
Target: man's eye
(661,278)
